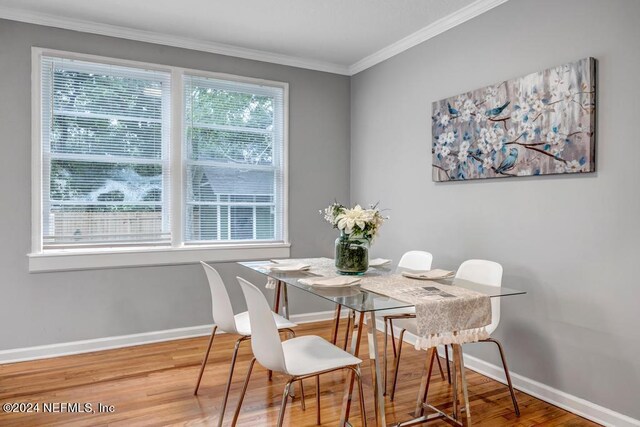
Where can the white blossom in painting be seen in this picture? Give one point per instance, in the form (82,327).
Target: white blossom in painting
(539,124)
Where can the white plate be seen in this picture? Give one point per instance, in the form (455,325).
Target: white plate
(378,262)
(331,282)
(428,275)
(281,268)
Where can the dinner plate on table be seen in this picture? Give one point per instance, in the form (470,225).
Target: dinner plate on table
(288,268)
(331,282)
(379,262)
(429,274)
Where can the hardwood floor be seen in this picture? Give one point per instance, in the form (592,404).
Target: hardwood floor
(153,385)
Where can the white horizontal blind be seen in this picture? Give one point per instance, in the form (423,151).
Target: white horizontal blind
(105,145)
(234,157)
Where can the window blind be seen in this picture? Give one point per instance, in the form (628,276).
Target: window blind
(105,154)
(234,158)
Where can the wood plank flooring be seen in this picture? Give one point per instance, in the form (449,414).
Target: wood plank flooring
(153,384)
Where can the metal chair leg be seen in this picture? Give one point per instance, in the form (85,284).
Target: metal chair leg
(506,374)
(393,338)
(292,391)
(336,324)
(446,357)
(424,383)
(395,372)
(318,400)
(440,367)
(363,412)
(283,405)
(347,331)
(228,387)
(303,404)
(244,391)
(204,361)
(431,354)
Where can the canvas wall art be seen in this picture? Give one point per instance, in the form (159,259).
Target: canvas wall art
(539,124)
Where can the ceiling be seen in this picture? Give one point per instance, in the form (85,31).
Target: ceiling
(342,36)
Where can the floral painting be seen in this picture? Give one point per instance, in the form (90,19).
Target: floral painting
(539,124)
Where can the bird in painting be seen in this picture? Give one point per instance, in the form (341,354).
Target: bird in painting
(452,110)
(509,162)
(496,111)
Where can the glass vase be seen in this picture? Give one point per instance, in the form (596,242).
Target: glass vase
(352,254)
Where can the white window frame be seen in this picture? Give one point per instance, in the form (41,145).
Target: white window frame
(178,252)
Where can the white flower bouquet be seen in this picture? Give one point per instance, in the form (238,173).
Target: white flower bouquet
(356,222)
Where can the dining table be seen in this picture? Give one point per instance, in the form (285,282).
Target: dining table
(367,305)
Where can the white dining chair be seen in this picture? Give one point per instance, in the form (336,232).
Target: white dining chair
(478,271)
(227,322)
(298,358)
(416,260)
(412,260)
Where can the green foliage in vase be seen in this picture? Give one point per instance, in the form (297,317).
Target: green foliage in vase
(352,255)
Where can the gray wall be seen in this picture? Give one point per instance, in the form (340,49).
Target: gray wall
(37,309)
(570,242)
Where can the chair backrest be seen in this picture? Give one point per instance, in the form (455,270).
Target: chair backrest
(265,340)
(221,307)
(416,260)
(487,273)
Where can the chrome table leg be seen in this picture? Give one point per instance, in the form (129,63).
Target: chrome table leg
(376,371)
(348,392)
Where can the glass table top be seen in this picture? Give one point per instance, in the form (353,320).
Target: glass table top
(362,300)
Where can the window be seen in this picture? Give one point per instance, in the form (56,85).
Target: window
(155,160)
(234,158)
(105,145)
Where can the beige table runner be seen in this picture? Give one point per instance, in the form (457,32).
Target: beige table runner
(445,314)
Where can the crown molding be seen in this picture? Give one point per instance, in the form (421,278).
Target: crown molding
(438,27)
(458,17)
(169,40)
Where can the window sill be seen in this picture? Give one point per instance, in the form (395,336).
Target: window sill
(75,259)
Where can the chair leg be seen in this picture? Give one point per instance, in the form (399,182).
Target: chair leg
(395,372)
(292,391)
(440,366)
(283,405)
(228,387)
(431,354)
(204,361)
(318,400)
(393,338)
(347,330)
(363,412)
(336,324)
(244,391)
(446,357)
(506,374)
(303,404)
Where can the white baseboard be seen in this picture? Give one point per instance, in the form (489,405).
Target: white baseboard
(108,343)
(574,404)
